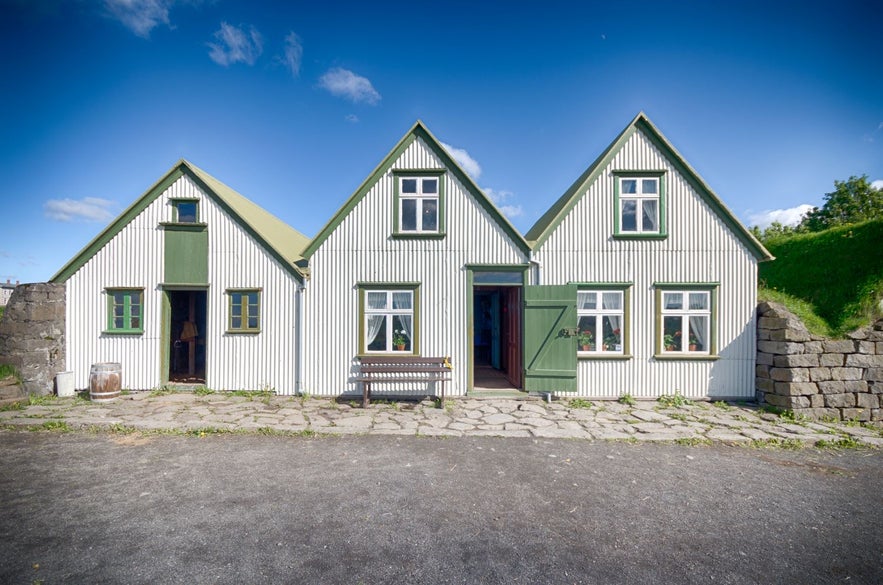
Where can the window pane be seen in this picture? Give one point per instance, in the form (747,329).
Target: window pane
(236,323)
(648,186)
(119,298)
(187,212)
(699,301)
(236,310)
(118,310)
(409,215)
(118,323)
(698,333)
(409,185)
(612,333)
(252,322)
(252,298)
(611,300)
(629,215)
(379,341)
(135,310)
(430,215)
(136,323)
(430,186)
(401,300)
(673,300)
(650,216)
(671,337)
(401,332)
(376,300)
(629,186)
(586,336)
(497,278)
(586,300)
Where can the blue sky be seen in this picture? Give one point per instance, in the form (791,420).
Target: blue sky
(293,104)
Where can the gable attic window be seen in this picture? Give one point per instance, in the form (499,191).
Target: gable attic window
(640,204)
(125,310)
(419,203)
(185,210)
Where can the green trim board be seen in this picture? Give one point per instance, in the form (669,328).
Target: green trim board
(283,242)
(417,131)
(712,289)
(413,287)
(543,228)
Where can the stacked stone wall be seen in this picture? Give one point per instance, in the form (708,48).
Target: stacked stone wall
(818,377)
(32,335)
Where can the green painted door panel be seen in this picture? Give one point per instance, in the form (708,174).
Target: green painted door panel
(186,255)
(549,338)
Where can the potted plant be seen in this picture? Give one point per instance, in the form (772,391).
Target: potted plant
(586,341)
(694,343)
(399,340)
(669,341)
(613,341)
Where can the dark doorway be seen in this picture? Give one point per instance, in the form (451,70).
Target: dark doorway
(497,337)
(187,343)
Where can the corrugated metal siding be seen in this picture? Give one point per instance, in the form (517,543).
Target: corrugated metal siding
(134,258)
(361,250)
(699,248)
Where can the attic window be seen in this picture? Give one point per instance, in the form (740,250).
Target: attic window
(640,204)
(419,203)
(186,210)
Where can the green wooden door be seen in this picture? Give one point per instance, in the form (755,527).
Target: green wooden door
(550,338)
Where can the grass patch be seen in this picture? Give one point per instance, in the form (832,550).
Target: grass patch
(579,403)
(676,400)
(693,442)
(203,391)
(627,399)
(9,371)
(721,404)
(804,310)
(777,443)
(841,443)
(162,391)
(13,406)
(821,269)
(59,426)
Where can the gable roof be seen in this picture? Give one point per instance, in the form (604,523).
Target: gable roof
(542,229)
(418,130)
(281,240)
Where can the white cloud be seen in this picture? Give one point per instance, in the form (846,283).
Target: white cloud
(878,184)
(352,118)
(293,54)
(346,84)
(140,16)
(469,164)
(88,209)
(499,198)
(236,45)
(790,216)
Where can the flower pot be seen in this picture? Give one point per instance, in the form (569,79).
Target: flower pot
(400,347)
(585,347)
(669,348)
(693,347)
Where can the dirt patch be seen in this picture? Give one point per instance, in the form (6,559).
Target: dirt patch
(133,440)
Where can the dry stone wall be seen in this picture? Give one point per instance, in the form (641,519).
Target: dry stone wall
(818,377)
(32,335)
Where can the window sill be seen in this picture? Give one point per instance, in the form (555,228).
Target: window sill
(132,332)
(605,356)
(636,236)
(702,357)
(175,225)
(418,236)
(388,354)
(243,331)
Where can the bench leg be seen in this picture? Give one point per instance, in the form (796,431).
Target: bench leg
(366,394)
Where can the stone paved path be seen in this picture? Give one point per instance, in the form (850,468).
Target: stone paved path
(696,423)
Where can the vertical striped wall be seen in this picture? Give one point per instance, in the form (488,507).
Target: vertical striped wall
(134,258)
(360,250)
(699,248)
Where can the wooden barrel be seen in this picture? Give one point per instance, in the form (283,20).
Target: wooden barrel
(105,381)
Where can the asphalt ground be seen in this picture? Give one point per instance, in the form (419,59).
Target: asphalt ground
(130,508)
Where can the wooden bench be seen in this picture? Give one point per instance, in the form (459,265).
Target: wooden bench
(390,369)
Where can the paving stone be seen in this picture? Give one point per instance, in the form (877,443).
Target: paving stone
(499,433)
(726,436)
(498,419)
(650,427)
(354,422)
(436,432)
(537,422)
(457,426)
(649,416)
(607,434)
(556,433)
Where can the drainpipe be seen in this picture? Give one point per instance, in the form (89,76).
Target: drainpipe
(537,266)
(299,335)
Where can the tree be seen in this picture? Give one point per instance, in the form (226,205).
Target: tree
(852,201)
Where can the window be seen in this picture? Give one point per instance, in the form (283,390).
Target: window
(601,322)
(388,323)
(125,310)
(186,210)
(687,324)
(419,205)
(640,204)
(245,311)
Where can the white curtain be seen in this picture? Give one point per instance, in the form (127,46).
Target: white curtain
(375,322)
(699,330)
(403,301)
(650,216)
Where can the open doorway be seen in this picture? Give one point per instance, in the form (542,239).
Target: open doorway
(187,336)
(497,337)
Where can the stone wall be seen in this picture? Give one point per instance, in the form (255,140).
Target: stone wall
(818,377)
(32,335)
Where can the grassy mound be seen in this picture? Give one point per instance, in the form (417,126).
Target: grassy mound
(839,272)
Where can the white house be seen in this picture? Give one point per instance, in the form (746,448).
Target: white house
(192,283)
(637,280)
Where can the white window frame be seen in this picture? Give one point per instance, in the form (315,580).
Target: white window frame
(685,313)
(420,198)
(640,197)
(599,313)
(388,312)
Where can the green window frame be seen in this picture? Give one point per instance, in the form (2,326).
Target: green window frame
(125,310)
(603,320)
(185,210)
(419,203)
(244,314)
(686,321)
(639,204)
(389,320)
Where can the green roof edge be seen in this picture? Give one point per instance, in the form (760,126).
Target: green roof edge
(199,176)
(418,130)
(542,229)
